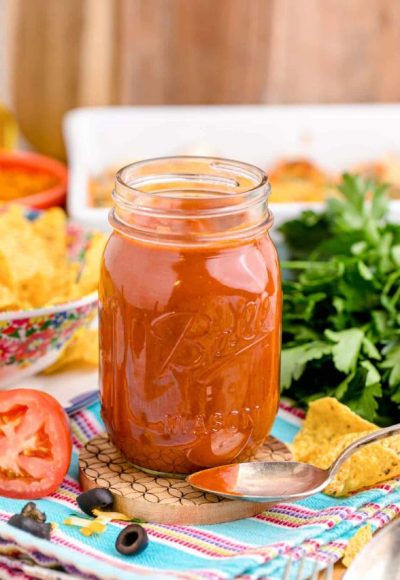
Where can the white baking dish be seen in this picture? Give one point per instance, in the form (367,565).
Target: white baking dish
(334,136)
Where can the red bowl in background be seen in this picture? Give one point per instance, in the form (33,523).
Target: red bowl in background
(35,163)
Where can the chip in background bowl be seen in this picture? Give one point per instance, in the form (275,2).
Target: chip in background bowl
(48,287)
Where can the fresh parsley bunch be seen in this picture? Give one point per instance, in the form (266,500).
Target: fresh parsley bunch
(341,319)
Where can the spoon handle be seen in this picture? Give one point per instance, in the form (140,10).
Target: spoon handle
(375,436)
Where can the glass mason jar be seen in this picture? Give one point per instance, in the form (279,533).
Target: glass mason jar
(190,314)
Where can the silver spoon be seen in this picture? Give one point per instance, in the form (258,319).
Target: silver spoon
(276,481)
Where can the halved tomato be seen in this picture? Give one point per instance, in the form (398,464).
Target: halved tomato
(35,444)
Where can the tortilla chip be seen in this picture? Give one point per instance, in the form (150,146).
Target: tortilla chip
(8,300)
(13,214)
(6,277)
(326,421)
(89,278)
(369,466)
(51,226)
(356,544)
(82,350)
(34,260)
(329,428)
(26,253)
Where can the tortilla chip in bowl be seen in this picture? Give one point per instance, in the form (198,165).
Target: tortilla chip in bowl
(49,270)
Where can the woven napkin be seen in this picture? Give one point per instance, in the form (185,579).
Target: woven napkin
(257,547)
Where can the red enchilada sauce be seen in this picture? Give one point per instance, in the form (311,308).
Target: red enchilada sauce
(190,314)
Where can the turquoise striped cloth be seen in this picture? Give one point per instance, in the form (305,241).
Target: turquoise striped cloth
(257,547)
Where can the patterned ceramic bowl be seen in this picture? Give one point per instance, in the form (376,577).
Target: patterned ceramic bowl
(30,340)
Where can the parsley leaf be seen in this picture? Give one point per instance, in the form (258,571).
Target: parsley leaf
(341,315)
(295,359)
(347,348)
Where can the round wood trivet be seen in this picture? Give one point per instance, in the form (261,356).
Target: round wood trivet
(163,500)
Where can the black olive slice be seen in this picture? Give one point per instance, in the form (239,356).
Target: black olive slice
(31,511)
(132,540)
(97,498)
(27,524)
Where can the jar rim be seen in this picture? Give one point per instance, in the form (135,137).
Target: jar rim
(191,200)
(230,170)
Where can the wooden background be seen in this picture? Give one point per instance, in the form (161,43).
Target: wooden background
(68,53)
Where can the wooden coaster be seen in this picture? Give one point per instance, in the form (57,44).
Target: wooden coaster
(163,500)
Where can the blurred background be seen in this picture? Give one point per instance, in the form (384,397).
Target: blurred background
(57,55)
(304,89)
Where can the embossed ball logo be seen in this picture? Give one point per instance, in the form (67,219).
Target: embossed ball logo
(189,342)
